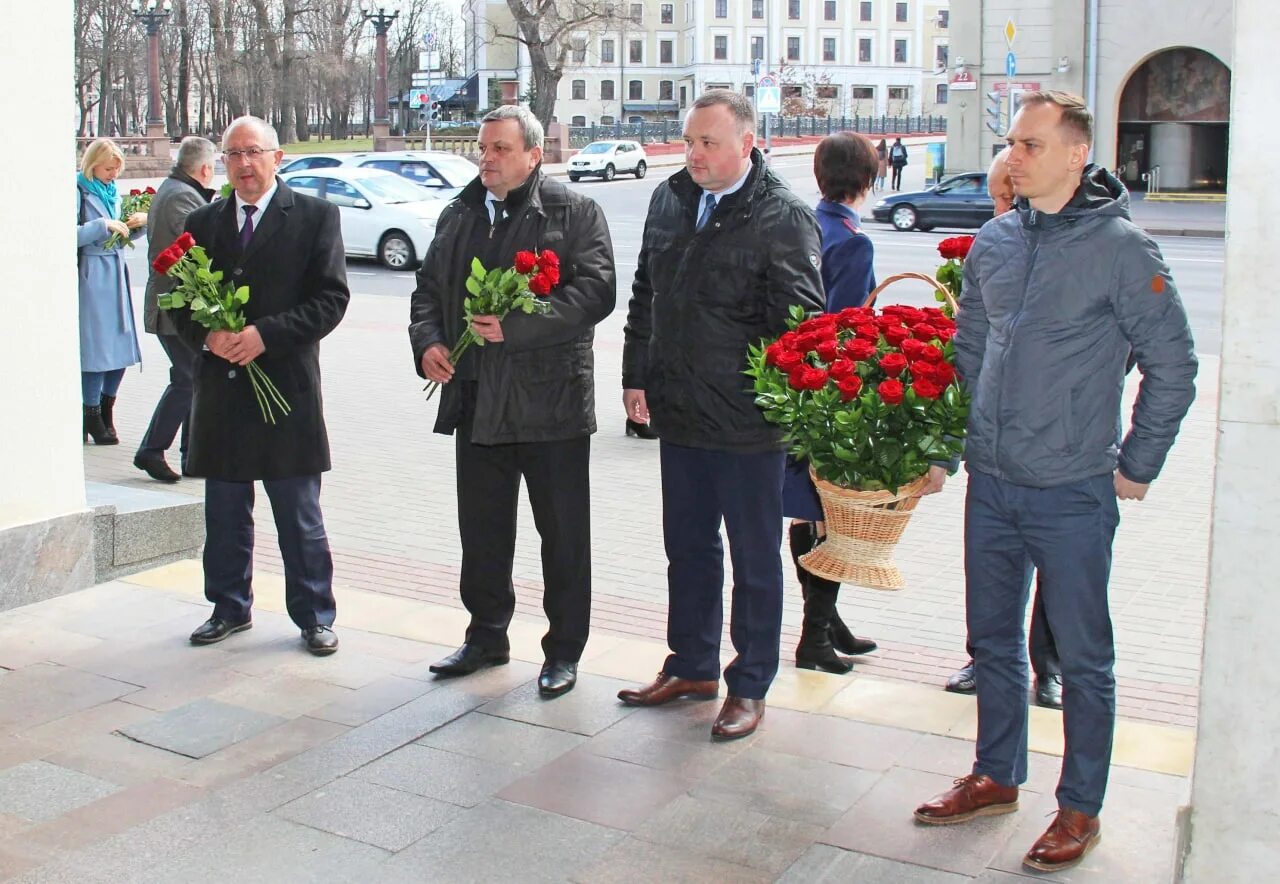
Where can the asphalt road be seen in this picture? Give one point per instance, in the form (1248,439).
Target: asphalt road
(1197,263)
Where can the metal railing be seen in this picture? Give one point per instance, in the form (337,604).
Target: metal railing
(1152,177)
(782,127)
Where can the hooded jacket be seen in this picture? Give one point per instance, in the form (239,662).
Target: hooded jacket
(1051,306)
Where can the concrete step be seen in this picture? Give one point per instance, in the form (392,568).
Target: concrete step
(1174,196)
(135,529)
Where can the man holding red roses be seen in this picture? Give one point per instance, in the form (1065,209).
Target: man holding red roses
(522,405)
(727,251)
(1055,296)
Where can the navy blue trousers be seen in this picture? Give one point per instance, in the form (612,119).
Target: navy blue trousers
(304,547)
(173,411)
(701,488)
(1066,533)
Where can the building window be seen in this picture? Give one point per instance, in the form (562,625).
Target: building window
(899,51)
(757,8)
(757,48)
(828,48)
(665,51)
(579,90)
(722,49)
(899,93)
(900,12)
(684,96)
(829,10)
(668,13)
(606,120)
(793,9)
(864,50)
(940,56)
(579,46)
(749,90)
(793,49)
(606,51)
(578,120)
(792,91)
(864,10)
(635,90)
(944,19)
(666,90)
(606,90)
(863,93)
(722,8)
(637,13)
(940,94)
(635,51)
(827,92)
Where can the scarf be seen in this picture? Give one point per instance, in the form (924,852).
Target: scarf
(105,192)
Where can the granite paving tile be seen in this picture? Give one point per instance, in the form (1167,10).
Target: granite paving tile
(688,760)
(44,692)
(953,757)
(504,740)
(632,861)
(825,738)
(201,727)
(386,818)
(588,709)
(372,700)
(256,753)
(823,864)
(432,773)
(39,790)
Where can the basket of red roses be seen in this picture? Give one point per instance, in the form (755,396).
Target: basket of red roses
(870,398)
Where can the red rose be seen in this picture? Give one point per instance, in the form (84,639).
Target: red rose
(788,360)
(891,392)
(896,335)
(849,387)
(868,331)
(826,324)
(540,285)
(955,247)
(924,331)
(931,354)
(893,363)
(926,389)
(184,242)
(525,262)
(165,260)
(548,258)
(827,350)
(552,274)
(809,341)
(150,190)
(789,340)
(795,377)
(888,320)
(922,369)
(946,334)
(943,373)
(860,349)
(913,348)
(135,192)
(842,368)
(815,378)
(854,316)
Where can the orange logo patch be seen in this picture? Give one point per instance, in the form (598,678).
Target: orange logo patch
(1157,284)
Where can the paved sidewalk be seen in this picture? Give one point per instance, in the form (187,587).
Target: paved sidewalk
(126,755)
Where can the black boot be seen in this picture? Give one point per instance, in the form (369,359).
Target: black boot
(815,650)
(804,537)
(108,404)
(94,427)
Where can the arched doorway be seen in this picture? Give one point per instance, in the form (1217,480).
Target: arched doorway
(1173,114)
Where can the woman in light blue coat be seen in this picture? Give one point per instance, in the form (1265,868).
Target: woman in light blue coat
(108,339)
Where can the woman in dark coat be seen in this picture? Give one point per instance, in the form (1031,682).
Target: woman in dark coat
(882,154)
(845,166)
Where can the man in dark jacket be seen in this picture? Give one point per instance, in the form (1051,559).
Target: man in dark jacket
(898,160)
(523,405)
(185,190)
(727,251)
(287,248)
(1055,296)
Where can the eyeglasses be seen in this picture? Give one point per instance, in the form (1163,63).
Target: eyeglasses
(251,153)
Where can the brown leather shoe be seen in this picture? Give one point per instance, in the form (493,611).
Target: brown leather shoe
(1070,836)
(972,796)
(666,688)
(739,717)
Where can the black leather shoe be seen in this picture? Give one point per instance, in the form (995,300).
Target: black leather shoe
(321,640)
(155,467)
(639,430)
(964,681)
(468,659)
(557,677)
(1049,691)
(215,629)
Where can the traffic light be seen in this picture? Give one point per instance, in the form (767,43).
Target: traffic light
(995,106)
(435,111)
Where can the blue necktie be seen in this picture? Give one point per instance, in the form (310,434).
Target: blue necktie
(706,212)
(246,232)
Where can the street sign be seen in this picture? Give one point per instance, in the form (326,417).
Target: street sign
(767,80)
(419,97)
(769,99)
(1011,65)
(429,39)
(1010,31)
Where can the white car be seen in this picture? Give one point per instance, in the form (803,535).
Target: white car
(444,173)
(383,215)
(312,161)
(607,159)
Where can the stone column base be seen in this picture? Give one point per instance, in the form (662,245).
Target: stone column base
(46,559)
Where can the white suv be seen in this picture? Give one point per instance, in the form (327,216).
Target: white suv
(608,158)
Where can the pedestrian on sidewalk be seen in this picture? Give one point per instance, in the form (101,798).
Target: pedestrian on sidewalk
(1040,645)
(522,406)
(108,339)
(186,189)
(727,251)
(882,154)
(287,248)
(844,165)
(898,159)
(1055,296)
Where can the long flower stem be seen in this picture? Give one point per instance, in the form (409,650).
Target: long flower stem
(464,341)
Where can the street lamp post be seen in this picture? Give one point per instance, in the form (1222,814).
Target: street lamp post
(382,16)
(152,15)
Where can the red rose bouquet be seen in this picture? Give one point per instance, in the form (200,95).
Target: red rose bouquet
(954,250)
(523,286)
(136,201)
(869,397)
(215,306)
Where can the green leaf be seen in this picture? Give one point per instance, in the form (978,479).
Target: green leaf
(477,269)
(473,286)
(242,295)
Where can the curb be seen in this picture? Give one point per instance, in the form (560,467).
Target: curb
(1182,231)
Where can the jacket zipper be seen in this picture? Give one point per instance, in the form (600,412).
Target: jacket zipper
(1013,327)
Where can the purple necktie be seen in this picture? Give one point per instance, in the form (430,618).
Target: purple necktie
(246,232)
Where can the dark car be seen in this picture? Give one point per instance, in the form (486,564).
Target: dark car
(959,201)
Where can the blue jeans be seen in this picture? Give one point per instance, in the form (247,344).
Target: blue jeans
(1066,533)
(96,384)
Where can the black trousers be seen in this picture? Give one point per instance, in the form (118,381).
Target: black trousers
(557,475)
(1040,644)
(174,408)
(896,183)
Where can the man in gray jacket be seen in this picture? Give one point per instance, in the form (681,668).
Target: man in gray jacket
(185,190)
(1055,297)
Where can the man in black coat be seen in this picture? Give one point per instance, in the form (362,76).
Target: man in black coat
(185,190)
(727,251)
(287,248)
(523,405)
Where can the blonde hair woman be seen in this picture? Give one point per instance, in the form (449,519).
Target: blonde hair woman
(108,339)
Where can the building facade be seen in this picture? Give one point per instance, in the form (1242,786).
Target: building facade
(832,57)
(1158,81)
